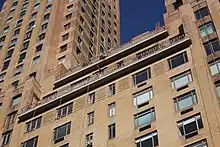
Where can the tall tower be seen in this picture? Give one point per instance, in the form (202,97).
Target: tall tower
(41,39)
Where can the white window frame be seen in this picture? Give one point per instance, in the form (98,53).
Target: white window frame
(33,124)
(111,109)
(148,93)
(185,78)
(150,113)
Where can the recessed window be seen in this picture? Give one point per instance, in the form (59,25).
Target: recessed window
(89,140)
(18,70)
(69,16)
(185,101)
(46,16)
(25,46)
(16,32)
(44,26)
(61,131)
(33,124)
(30,143)
(143,96)
(65,37)
(141,76)
(22,57)
(41,37)
(149,140)
(206,29)
(215,67)
(217,86)
(33,15)
(177,4)
(5,30)
(15,84)
(70,7)
(111,109)
(6,137)
(13,42)
(65,145)
(28,35)
(48,7)
(33,75)
(65,110)
(63,48)
(177,60)
(90,118)
(91,98)
(5,65)
(144,118)
(212,46)
(10,119)
(39,48)
(202,13)
(9,54)
(31,25)
(181,80)
(16,100)
(111,131)
(2,76)
(189,127)
(202,143)
(111,89)
(67,26)
(61,59)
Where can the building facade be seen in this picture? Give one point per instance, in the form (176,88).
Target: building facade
(160,89)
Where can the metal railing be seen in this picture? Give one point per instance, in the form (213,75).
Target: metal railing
(113,51)
(109,70)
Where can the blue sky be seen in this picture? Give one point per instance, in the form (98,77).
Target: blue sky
(138,16)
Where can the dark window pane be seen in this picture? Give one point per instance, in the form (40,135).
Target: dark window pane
(208,49)
(216,45)
(178,60)
(156,143)
(191,127)
(200,124)
(204,12)
(147,143)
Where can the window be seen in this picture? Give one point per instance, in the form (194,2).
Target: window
(65,145)
(65,37)
(65,110)
(18,70)
(143,96)
(15,84)
(31,25)
(10,119)
(177,60)
(39,48)
(33,15)
(28,35)
(144,118)
(33,124)
(90,117)
(206,29)
(21,57)
(22,13)
(6,138)
(2,75)
(70,7)
(91,98)
(217,86)
(89,140)
(36,6)
(49,7)
(9,54)
(67,26)
(44,26)
(111,131)
(185,101)
(177,4)
(189,127)
(46,16)
(35,60)
(181,80)
(6,29)
(25,46)
(212,46)
(69,16)
(112,89)
(61,59)
(81,20)
(215,67)
(5,65)
(16,100)
(30,143)
(16,32)
(63,48)
(149,140)
(202,13)
(33,75)
(141,76)
(62,131)
(111,109)
(202,143)
(41,37)
(13,42)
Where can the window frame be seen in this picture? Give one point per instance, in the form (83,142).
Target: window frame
(180,76)
(112,131)
(33,124)
(67,127)
(148,76)
(185,60)
(64,110)
(147,137)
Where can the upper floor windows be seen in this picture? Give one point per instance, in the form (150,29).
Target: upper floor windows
(143,96)
(149,140)
(30,143)
(217,86)
(46,16)
(10,119)
(41,36)
(65,110)
(91,98)
(111,90)
(202,13)
(111,131)
(189,127)
(202,143)
(181,80)
(69,16)
(89,140)
(5,65)
(178,60)
(141,76)
(61,131)
(6,138)
(144,118)
(212,46)
(90,118)
(111,109)
(215,67)
(33,124)
(206,29)
(16,100)
(39,48)
(185,101)
(2,76)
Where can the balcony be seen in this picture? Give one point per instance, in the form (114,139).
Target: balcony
(133,63)
(111,56)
